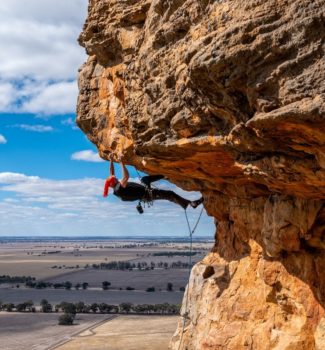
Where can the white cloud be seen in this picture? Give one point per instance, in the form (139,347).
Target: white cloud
(37,49)
(40,55)
(35,128)
(38,97)
(14,178)
(73,207)
(45,11)
(87,156)
(39,38)
(56,98)
(36,188)
(2,139)
(7,95)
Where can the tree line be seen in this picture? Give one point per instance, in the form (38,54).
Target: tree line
(143,265)
(123,308)
(70,310)
(105,286)
(16,279)
(58,285)
(170,254)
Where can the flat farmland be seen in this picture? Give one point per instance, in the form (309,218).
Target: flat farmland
(26,259)
(39,259)
(56,296)
(127,333)
(149,257)
(72,260)
(40,331)
(138,279)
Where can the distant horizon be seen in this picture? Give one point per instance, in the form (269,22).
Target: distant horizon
(93,238)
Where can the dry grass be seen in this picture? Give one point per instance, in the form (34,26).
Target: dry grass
(127,333)
(56,296)
(139,280)
(26,259)
(39,331)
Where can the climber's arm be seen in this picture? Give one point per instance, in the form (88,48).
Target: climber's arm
(125,174)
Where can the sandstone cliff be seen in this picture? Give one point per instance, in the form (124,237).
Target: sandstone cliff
(225,97)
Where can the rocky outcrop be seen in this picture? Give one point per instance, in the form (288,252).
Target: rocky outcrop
(225,97)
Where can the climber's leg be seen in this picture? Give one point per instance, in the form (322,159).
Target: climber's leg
(170,196)
(147,180)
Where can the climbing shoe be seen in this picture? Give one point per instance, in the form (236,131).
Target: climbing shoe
(185,204)
(196,203)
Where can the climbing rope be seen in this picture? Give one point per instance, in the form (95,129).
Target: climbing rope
(191,232)
(139,176)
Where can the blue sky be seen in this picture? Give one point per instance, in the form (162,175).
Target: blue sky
(51,178)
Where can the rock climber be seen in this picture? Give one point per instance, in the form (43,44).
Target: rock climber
(132,191)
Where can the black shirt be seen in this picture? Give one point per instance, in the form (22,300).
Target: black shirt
(131,192)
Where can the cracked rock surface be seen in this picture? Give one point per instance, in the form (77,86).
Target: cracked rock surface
(225,97)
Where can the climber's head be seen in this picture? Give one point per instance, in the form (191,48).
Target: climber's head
(110,182)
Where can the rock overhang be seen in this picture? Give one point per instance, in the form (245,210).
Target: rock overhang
(226,98)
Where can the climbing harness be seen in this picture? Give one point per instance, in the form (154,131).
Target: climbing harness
(191,232)
(147,200)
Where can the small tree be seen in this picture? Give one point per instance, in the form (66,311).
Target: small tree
(80,307)
(66,319)
(125,307)
(130,288)
(67,285)
(85,285)
(105,285)
(111,308)
(94,307)
(21,307)
(9,307)
(29,306)
(68,308)
(46,306)
(102,307)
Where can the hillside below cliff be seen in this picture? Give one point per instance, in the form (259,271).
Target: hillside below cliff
(225,97)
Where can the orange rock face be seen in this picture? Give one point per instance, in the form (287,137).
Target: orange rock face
(225,97)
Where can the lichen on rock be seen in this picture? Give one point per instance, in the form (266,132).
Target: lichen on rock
(227,98)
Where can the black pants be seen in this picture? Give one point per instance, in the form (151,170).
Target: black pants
(155,194)
(167,195)
(147,180)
